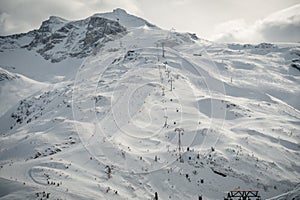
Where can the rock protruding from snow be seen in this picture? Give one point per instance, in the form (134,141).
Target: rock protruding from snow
(52,24)
(57,38)
(5,75)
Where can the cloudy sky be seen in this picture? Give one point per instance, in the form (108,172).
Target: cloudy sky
(218,20)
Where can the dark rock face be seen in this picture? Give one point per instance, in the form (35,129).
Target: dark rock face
(98,28)
(5,75)
(58,39)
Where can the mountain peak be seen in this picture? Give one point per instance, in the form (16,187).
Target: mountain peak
(58,38)
(56,19)
(119,11)
(125,19)
(52,24)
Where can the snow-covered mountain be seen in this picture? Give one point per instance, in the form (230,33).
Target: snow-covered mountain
(113,107)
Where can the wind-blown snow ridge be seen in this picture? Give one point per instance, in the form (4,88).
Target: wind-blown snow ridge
(100,103)
(125,19)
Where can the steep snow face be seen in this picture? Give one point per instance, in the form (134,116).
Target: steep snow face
(125,19)
(15,87)
(106,110)
(53,24)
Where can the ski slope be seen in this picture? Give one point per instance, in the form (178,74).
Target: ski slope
(103,126)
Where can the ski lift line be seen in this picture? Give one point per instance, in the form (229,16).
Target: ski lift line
(96,157)
(127,170)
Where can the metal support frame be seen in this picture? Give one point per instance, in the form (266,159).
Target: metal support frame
(243,195)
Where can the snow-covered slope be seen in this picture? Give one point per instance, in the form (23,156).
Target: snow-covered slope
(14,87)
(93,109)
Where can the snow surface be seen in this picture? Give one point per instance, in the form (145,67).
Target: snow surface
(64,125)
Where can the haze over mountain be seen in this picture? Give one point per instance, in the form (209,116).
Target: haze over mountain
(114,107)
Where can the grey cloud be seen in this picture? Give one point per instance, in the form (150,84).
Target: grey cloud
(282,26)
(281,31)
(185,15)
